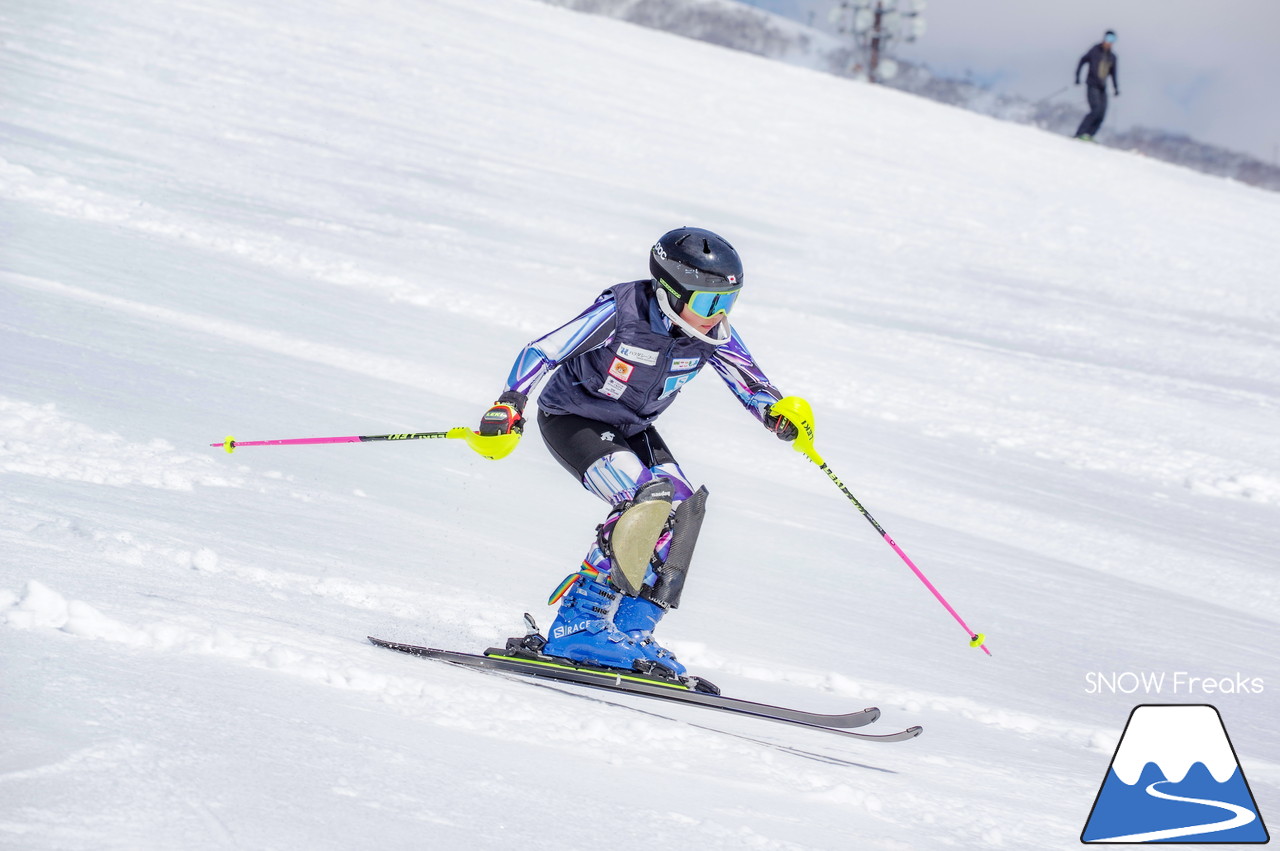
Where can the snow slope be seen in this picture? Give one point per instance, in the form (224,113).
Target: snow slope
(1049,370)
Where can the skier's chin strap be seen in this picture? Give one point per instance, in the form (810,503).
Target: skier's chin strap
(720,330)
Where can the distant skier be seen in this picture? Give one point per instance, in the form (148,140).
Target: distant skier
(1101,60)
(621,363)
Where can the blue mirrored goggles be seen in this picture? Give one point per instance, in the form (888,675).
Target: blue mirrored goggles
(1109,38)
(709,304)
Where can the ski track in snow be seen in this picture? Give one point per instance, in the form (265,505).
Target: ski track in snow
(39,607)
(36,440)
(333,357)
(501,711)
(488,705)
(60,197)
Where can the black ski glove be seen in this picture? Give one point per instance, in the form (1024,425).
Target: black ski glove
(506,415)
(780,425)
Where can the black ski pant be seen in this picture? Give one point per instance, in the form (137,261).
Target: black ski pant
(577,442)
(1097,111)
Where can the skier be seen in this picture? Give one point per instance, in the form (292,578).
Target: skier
(1101,59)
(618,365)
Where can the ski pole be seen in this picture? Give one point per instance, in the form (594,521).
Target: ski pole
(799,412)
(492,447)
(1054,95)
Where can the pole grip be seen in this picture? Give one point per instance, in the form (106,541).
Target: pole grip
(800,413)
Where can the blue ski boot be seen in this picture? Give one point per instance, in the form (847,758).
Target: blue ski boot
(637,617)
(583,629)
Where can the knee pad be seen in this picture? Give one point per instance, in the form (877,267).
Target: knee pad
(632,531)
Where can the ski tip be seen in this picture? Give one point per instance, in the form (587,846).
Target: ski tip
(900,736)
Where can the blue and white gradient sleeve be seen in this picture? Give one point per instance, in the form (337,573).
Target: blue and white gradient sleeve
(748,382)
(591,329)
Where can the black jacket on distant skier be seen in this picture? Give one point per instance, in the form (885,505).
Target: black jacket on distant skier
(1101,61)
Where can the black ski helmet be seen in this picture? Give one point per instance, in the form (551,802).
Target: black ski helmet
(686,260)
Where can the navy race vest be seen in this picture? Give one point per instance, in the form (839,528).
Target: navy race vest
(634,378)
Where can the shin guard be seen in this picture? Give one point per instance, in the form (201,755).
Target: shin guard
(672,572)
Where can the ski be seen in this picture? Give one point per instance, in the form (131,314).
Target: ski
(617,680)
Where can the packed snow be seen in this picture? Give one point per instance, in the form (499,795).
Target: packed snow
(1047,368)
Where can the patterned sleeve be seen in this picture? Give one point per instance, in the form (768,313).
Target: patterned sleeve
(748,382)
(591,329)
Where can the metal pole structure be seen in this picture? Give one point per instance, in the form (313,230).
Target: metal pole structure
(799,412)
(873,67)
(493,447)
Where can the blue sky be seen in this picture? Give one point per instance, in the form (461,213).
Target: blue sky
(1209,69)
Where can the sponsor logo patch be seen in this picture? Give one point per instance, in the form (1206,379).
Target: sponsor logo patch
(637,354)
(680,364)
(620,369)
(674,383)
(613,388)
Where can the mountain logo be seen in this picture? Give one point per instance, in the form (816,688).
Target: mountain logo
(1175,778)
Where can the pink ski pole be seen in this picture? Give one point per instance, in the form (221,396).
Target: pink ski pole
(494,447)
(797,410)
